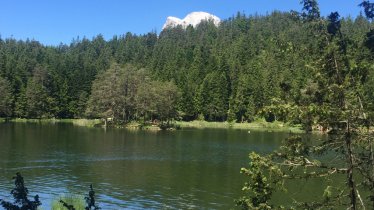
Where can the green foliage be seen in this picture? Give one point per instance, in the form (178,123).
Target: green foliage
(310,9)
(368,9)
(6,98)
(214,97)
(263,180)
(113,93)
(127,93)
(155,98)
(39,100)
(334,100)
(257,124)
(166,96)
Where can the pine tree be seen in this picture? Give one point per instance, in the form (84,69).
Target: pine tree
(40,103)
(6,98)
(19,193)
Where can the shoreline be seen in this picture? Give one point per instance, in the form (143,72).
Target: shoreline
(258,125)
(78,122)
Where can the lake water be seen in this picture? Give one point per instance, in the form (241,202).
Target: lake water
(184,169)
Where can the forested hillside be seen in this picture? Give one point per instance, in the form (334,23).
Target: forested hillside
(249,66)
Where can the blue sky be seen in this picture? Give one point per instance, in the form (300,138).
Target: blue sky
(55,21)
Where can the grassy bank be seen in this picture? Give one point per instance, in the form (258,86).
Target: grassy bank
(77,122)
(259,124)
(83,122)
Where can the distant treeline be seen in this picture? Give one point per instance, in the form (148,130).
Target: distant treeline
(247,67)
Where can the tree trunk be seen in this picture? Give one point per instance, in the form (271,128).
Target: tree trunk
(351,184)
(372,171)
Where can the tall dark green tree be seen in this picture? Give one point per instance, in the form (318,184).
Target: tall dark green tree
(214,97)
(6,98)
(40,103)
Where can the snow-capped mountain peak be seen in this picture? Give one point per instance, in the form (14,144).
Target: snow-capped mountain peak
(193,19)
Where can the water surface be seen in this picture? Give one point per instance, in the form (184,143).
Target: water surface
(185,169)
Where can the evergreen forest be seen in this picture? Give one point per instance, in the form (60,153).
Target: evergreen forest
(249,66)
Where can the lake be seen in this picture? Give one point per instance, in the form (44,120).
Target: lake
(183,169)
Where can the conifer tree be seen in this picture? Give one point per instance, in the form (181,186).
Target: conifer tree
(19,193)
(6,98)
(341,111)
